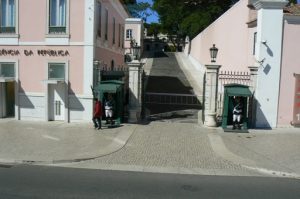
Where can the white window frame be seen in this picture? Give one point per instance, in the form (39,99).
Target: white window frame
(13,65)
(99,19)
(67,32)
(129,34)
(120,34)
(106,25)
(61,63)
(16,21)
(114,31)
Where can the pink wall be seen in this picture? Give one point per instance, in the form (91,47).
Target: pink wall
(290,65)
(33,67)
(107,56)
(76,20)
(35,30)
(232,37)
(106,50)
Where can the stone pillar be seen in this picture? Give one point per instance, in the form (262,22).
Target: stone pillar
(210,101)
(253,79)
(135,91)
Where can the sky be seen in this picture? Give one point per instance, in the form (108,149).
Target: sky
(154,17)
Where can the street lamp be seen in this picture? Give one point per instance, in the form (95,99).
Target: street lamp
(135,49)
(213,53)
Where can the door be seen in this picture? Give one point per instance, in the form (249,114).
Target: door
(7,99)
(10,99)
(57,101)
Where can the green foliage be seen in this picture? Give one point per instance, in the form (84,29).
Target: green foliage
(154,29)
(293,1)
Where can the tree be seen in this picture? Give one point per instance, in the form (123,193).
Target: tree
(153,29)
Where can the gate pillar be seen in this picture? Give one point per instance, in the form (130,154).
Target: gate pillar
(210,99)
(135,91)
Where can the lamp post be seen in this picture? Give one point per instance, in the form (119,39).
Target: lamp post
(135,49)
(211,88)
(97,73)
(213,53)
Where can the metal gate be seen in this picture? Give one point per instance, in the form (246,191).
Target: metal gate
(172,99)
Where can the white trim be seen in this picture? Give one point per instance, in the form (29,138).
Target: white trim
(89,22)
(292,19)
(134,21)
(262,4)
(11,41)
(53,81)
(88,69)
(45,44)
(6,35)
(34,94)
(57,41)
(7,79)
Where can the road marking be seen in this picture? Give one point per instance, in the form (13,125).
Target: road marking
(51,138)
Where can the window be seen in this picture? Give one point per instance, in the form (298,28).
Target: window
(56,71)
(7,70)
(128,33)
(119,44)
(114,30)
(57,16)
(254,42)
(7,16)
(112,66)
(122,37)
(106,24)
(99,19)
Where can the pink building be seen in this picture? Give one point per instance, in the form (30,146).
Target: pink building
(51,52)
(263,35)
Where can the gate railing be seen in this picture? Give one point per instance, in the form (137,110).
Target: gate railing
(172,98)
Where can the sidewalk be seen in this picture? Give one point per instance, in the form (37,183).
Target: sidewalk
(58,142)
(275,152)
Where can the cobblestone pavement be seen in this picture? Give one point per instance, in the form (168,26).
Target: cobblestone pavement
(276,150)
(50,142)
(168,147)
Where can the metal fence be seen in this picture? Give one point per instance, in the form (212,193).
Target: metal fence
(172,99)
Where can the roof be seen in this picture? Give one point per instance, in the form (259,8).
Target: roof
(293,9)
(110,86)
(237,90)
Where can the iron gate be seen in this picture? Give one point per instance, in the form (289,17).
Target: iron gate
(172,99)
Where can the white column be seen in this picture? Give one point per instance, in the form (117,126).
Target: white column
(211,86)
(135,91)
(253,79)
(268,48)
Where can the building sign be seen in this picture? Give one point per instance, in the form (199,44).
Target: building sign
(296,115)
(49,53)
